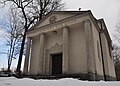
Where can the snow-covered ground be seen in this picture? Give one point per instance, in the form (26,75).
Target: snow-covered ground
(62,82)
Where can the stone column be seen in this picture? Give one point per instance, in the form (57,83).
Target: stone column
(90,52)
(41,58)
(26,62)
(65,51)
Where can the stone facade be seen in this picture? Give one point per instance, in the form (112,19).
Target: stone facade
(69,43)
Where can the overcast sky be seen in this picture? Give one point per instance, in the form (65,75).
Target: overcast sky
(109,10)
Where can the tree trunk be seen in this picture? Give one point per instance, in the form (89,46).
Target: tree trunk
(21,53)
(8,68)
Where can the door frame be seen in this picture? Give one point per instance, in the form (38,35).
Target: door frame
(51,62)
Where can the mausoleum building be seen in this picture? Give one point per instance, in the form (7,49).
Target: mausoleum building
(69,43)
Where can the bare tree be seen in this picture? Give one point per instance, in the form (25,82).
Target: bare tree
(13,30)
(15,34)
(116,54)
(117,30)
(116,58)
(32,11)
(116,50)
(116,46)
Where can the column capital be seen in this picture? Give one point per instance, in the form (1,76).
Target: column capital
(42,33)
(87,23)
(66,27)
(87,20)
(28,37)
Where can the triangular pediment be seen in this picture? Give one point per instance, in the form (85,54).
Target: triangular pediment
(56,16)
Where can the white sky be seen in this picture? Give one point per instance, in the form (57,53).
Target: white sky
(109,10)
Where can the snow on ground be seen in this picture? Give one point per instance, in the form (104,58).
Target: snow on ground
(61,82)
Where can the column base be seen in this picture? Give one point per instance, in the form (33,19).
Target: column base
(110,78)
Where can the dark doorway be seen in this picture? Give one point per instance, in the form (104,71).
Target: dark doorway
(56,64)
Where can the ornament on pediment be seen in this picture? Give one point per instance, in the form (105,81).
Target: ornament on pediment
(52,19)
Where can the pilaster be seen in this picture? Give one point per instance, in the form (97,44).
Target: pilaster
(90,53)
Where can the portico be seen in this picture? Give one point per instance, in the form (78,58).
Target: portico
(63,50)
